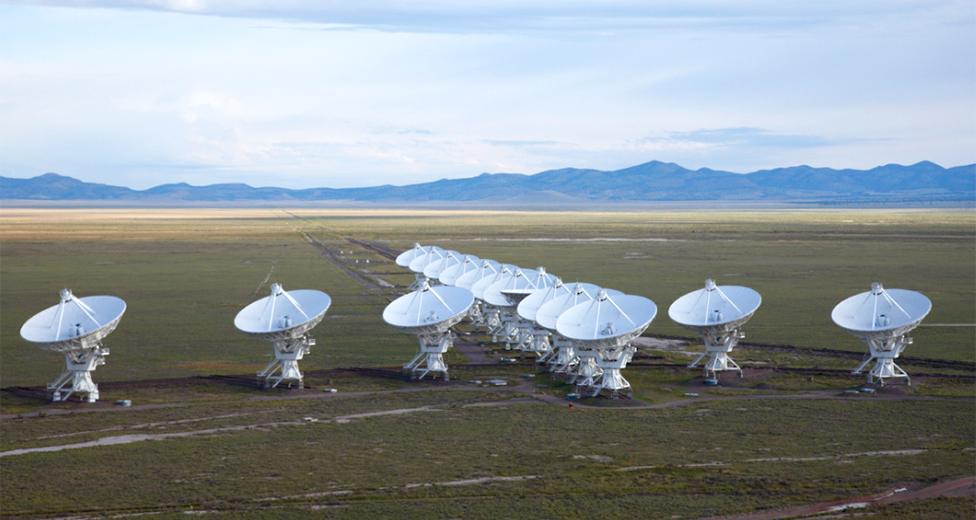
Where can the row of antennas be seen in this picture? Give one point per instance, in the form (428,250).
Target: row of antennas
(580,330)
(76,327)
(585,333)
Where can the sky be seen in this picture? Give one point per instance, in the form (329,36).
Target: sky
(300,93)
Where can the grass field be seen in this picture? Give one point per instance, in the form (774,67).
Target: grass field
(775,439)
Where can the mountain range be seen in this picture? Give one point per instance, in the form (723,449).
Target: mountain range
(924,182)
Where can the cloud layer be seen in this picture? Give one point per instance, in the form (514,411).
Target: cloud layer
(334,93)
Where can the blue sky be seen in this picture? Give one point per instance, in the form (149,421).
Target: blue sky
(322,93)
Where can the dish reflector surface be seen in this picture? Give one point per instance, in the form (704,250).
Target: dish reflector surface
(579,292)
(528,307)
(74,319)
(520,282)
(283,311)
(504,271)
(429,308)
(714,305)
(404,258)
(607,317)
(435,268)
(881,309)
(450,274)
(487,269)
(431,255)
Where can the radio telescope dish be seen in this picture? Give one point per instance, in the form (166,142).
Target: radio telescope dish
(563,358)
(486,269)
(717,313)
(529,306)
(882,318)
(404,258)
(607,325)
(490,316)
(429,313)
(284,318)
(431,255)
(537,338)
(434,269)
(503,295)
(510,290)
(450,274)
(75,327)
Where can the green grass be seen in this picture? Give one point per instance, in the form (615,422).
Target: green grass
(185,274)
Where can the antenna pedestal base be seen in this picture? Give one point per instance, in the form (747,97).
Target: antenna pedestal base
(587,369)
(76,377)
(508,330)
(533,339)
(476,315)
(563,358)
(717,348)
(284,366)
(885,351)
(611,362)
(431,356)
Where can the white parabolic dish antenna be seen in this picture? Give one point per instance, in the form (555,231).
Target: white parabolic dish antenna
(607,320)
(284,318)
(716,313)
(549,312)
(528,307)
(75,327)
(606,325)
(429,312)
(882,318)
(509,290)
(486,269)
(431,255)
(435,268)
(283,314)
(404,258)
(451,273)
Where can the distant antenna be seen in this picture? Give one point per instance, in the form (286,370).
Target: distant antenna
(451,273)
(564,360)
(504,294)
(491,315)
(882,318)
(717,314)
(431,255)
(284,319)
(606,326)
(539,341)
(435,268)
(486,269)
(75,327)
(429,313)
(404,258)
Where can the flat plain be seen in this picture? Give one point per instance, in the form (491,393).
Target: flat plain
(201,438)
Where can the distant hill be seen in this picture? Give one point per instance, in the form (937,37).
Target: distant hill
(649,182)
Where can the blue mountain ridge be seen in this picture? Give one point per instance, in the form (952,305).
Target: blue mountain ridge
(651,181)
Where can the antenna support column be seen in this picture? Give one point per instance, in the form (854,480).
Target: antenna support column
(885,351)
(611,362)
(587,370)
(79,364)
(564,358)
(284,366)
(717,347)
(431,355)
